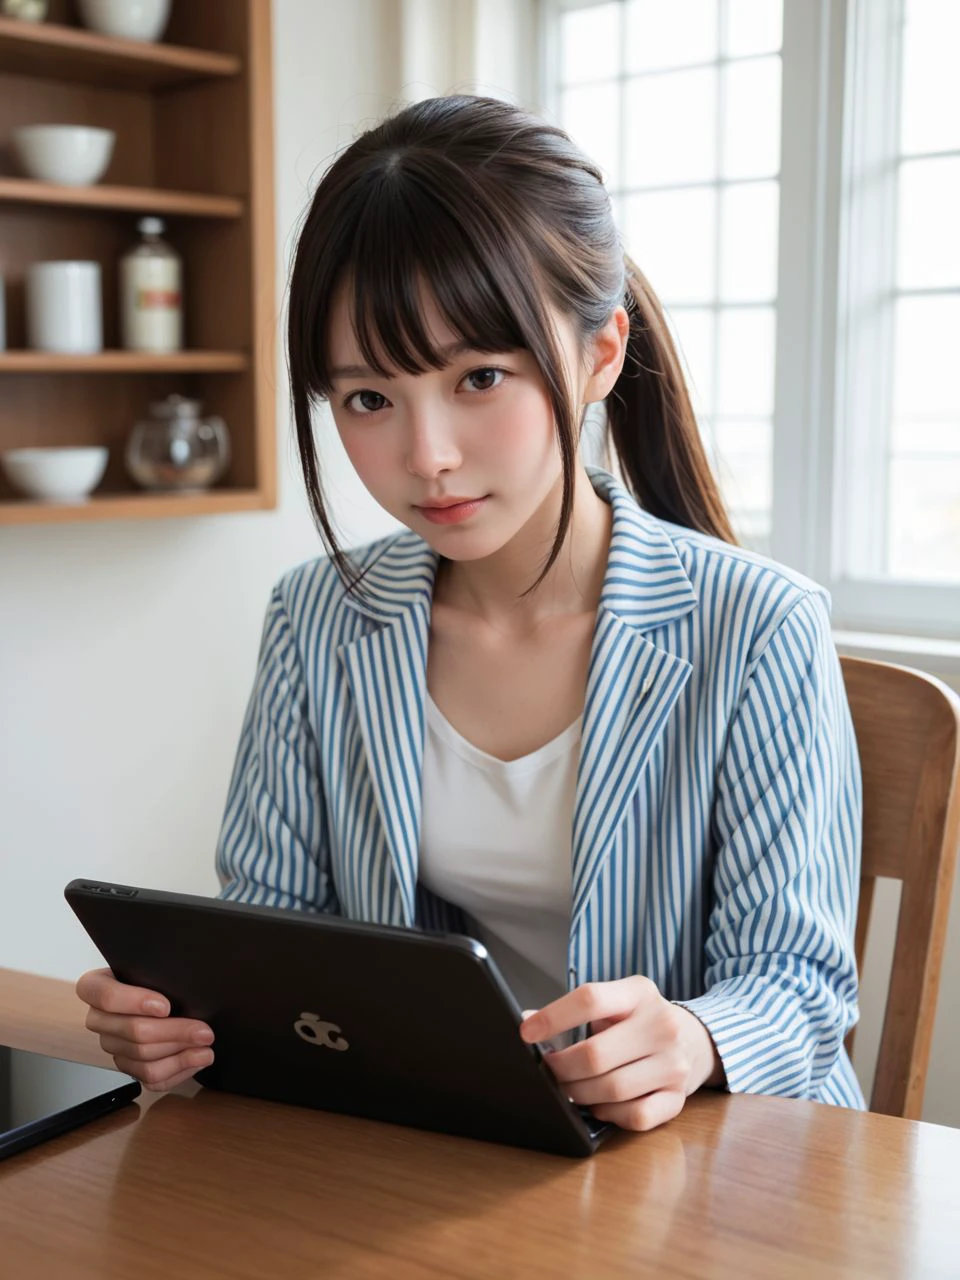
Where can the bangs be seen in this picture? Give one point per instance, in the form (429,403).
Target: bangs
(410,242)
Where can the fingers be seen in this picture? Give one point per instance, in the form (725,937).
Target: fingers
(166,1073)
(649,1032)
(101,990)
(634,1080)
(135,1028)
(594,1056)
(118,1047)
(642,1114)
(146,1030)
(589,1003)
(172,1083)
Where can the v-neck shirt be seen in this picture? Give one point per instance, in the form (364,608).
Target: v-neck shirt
(496,840)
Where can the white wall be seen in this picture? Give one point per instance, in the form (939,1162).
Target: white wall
(127,649)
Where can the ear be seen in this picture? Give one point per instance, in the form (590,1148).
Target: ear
(606,354)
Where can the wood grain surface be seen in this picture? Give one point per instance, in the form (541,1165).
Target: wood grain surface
(200,1184)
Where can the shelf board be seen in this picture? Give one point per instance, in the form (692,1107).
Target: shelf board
(51,50)
(130,506)
(136,199)
(124,362)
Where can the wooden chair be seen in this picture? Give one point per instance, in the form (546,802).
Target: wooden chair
(908,735)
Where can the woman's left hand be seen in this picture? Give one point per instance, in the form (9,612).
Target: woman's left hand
(643,1058)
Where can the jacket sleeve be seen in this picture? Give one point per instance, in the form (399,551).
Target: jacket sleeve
(273,847)
(781,981)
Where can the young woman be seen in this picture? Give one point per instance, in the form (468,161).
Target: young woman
(561,711)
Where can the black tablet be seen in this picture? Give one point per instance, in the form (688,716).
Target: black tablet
(41,1097)
(394,1024)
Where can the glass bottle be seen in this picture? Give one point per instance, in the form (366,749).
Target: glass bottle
(151,302)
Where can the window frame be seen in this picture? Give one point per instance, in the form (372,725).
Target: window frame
(833,53)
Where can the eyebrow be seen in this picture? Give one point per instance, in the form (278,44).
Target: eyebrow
(448,352)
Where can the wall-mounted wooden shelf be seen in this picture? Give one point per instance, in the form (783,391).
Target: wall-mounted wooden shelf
(124,362)
(186,204)
(194,144)
(56,51)
(139,506)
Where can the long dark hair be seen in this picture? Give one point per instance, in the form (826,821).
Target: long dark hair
(498,214)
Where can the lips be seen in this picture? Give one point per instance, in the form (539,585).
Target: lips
(441,503)
(452,510)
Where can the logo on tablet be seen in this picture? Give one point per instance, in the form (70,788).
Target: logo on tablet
(325,1034)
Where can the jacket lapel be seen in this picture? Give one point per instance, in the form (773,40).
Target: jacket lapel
(632,684)
(387,673)
(631,690)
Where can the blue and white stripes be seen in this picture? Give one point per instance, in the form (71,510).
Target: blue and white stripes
(717,819)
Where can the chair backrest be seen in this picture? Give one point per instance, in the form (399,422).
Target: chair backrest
(908,736)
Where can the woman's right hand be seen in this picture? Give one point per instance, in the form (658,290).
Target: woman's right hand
(135,1028)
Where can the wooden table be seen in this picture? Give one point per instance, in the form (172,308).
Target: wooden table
(200,1184)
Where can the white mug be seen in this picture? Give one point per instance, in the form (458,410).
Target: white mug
(64,307)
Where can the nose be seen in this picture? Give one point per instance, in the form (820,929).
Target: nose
(431,448)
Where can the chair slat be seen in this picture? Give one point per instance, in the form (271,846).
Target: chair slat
(908,736)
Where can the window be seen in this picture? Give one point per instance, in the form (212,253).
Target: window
(898,405)
(787,175)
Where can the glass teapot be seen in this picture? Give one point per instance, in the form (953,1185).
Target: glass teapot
(177,449)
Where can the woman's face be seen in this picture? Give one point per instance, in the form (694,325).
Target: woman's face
(480,430)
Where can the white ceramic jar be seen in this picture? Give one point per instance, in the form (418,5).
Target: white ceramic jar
(64,307)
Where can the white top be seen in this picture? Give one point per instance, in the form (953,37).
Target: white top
(496,841)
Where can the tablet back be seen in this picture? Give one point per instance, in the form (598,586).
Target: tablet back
(394,1024)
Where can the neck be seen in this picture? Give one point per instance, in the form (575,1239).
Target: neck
(492,588)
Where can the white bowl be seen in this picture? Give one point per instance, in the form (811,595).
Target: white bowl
(72,154)
(127,19)
(55,475)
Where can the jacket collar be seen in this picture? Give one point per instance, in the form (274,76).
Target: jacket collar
(645,584)
(632,686)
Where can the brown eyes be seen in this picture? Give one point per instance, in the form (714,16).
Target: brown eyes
(365,403)
(482,375)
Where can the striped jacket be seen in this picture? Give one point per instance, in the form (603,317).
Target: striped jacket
(716,832)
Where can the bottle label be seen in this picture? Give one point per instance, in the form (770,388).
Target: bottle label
(157,299)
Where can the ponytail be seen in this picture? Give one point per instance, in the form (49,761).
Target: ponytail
(652,426)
